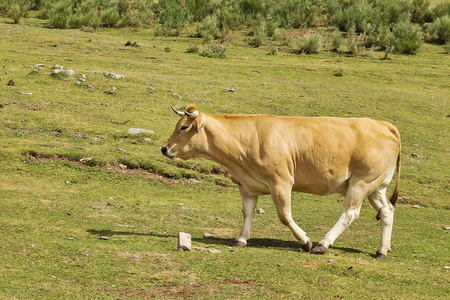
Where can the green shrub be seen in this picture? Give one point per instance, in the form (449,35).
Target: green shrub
(231,17)
(208,29)
(193,49)
(408,38)
(259,33)
(442,9)
(336,41)
(421,12)
(440,29)
(59,15)
(110,17)
(296,13)
(215,51)
(18,9)
(311,45)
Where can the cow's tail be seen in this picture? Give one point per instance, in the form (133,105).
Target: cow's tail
(394,197)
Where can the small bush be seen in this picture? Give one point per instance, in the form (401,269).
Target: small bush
(18,9)
(440,29)
(447,47)
(259,33)
(208,29)
(408,38)
(336,41)
(60,13)
(110,17)
(273,51)
(215,51)
(311,45)
(193,49)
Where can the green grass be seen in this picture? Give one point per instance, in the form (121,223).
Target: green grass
(48,225)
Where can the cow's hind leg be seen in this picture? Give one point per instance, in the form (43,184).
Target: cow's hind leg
(352,205)
(282,200)
(248,204)
(385,211)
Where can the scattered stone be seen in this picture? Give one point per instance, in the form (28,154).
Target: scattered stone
(96,207)
(192,180)
(416,155)
(104,238)
(446,267)
(112,90)
(184,241)
(147,140)
(177,96)
(152,90)
(228,90)
(446,228)
(416,206)
(122,166)
(208,235)
(139,130)
(22,93)
(60,71)
(90,86)
(85,159)
(81,79)
(11,82)
(115,76)
(120,149)
(260,211)
(180,204)
(68,213)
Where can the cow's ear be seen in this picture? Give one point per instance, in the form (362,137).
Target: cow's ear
(191,111)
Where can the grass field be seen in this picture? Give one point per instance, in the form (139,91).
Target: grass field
(54,208)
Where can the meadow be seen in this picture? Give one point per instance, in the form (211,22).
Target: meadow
(88,210)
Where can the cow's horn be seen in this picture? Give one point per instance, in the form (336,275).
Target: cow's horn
(177,112)
(192,115)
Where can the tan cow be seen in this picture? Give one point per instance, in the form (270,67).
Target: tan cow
(276,155)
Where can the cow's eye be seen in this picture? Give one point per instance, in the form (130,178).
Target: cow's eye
(184,127)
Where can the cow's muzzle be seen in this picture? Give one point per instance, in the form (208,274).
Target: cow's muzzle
(165,151)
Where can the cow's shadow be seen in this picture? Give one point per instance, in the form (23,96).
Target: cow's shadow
(252,243)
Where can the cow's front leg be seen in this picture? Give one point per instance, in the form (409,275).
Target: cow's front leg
(248,204)
(281,196)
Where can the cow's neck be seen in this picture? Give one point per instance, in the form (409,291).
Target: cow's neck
(225,145)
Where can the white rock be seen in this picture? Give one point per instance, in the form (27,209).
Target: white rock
(184,241)
(260,211)
(208,235)
(115,76)
(177,96)
(139,130)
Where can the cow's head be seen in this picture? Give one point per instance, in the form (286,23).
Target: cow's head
(187,139)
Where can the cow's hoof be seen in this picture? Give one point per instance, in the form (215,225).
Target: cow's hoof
(239,244)
(307,247)
(319,249)
(380,255)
